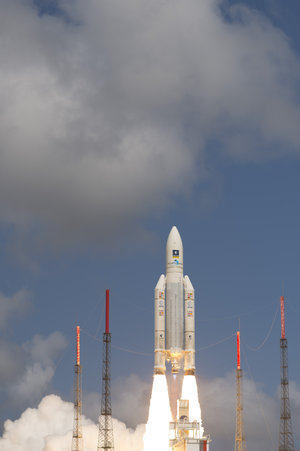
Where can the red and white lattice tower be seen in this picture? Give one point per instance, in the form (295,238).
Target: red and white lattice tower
(240,443)
(77,441)
(286,439)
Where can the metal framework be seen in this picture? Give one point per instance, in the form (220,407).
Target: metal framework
(286,439)
(77,440)
(240,443)
(106,436)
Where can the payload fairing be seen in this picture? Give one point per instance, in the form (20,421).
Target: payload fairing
(174,313)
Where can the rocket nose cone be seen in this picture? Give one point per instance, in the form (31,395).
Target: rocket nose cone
(174,232)
(174,251)
(174,236)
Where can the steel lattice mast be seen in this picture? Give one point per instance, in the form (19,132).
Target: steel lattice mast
(77,441)
(240,444)
(106,436)
(286,439)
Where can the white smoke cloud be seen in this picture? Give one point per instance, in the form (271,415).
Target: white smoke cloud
(104,117)
(125,439)
(52,416)
(49,427)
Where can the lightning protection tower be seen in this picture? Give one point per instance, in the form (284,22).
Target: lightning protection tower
(106,436)
(240,444)
(286,440)
(77,441)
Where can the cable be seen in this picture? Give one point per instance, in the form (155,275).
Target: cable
(223,318)
(92,310)
(292,308)
(217,343)
(90,335)
(268,334)
(131,351)
(117,347)
(100,323)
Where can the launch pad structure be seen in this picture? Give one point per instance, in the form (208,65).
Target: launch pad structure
(185,435)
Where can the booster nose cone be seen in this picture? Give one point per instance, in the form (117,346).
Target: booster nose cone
(174,252)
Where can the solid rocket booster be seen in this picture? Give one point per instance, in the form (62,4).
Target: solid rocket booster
(174,313)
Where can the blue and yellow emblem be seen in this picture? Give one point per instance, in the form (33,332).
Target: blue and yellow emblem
(175,257)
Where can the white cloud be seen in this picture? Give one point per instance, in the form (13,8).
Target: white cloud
(41,353)
(104,118)
(45,350)
(27,370)
(12,358)
(13,307)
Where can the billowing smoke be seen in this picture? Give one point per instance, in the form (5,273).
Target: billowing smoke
(49,427)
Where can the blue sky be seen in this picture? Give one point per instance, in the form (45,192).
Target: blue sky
(119,121)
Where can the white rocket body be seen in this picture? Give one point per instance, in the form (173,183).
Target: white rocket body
(174,313)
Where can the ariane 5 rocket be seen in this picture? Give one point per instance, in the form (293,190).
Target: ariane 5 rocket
(174,313)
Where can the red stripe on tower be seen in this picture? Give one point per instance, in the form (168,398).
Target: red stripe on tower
(107,313)
(238,350)
(282,317)
(78,346)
